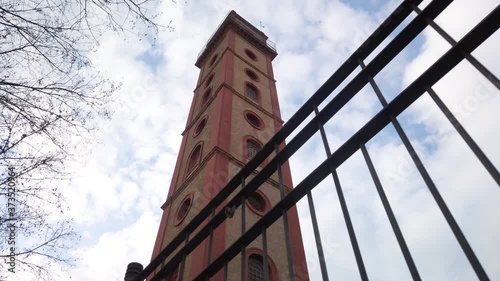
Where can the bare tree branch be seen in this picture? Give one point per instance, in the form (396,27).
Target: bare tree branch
(51,96)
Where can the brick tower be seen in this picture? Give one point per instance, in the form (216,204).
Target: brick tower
(234,112)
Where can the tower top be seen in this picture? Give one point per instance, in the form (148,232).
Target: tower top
(242,27)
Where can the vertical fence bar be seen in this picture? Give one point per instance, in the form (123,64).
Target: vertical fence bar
(390,214)
(243,262)
(243,229)
(317,237)
(343,205)
(374,86)
(479,66)
(183,263)
(385,202)
(280,174)
(451,60)
(225,271)
(210,242)
(464,244)
(465,136)
(264,257)
(211,239)
(285,219)
(455,228)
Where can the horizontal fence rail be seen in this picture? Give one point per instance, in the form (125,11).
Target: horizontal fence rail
(201,227)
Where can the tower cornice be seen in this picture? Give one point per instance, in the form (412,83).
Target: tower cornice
(244,29)
(179,189)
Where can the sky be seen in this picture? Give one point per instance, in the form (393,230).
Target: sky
(116,193)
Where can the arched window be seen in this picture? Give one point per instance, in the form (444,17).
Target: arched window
(252,92)
(209,80)
(214,58)
(255,266)
(252,148)
(206,96)
(194,159)
(252,75)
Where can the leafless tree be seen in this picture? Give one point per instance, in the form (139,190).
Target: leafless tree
(50,97)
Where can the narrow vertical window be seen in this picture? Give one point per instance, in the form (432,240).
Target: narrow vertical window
(214,58)
(209,80)
(252,148)
(255,268)
(206,96)
(252,92)
(194,159)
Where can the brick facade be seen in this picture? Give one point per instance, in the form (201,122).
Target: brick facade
(223,141)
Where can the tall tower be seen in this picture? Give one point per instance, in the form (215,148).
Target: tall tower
(234,112)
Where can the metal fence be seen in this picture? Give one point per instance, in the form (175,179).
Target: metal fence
(186,241)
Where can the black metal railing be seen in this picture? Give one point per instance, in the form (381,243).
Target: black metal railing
(185,242)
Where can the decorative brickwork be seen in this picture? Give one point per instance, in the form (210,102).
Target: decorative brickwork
(227,125)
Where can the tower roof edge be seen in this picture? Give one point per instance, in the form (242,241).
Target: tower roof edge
(243,28)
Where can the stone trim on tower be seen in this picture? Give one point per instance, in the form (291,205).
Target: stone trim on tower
(224,117)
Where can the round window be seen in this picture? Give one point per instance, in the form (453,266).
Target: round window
(183,209)
(251,54)
(254,120)
(252,75)
(257,203)
(200,126)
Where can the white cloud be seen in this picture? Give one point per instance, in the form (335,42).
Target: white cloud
(126,178)
(108,258)
(467,188)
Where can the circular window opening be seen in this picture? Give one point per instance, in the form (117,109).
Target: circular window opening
(200,126)
(214,58)
(206,96)
(254,120)
(183,210)
(257,202)
(251,54)
(252,75)
(209,80)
